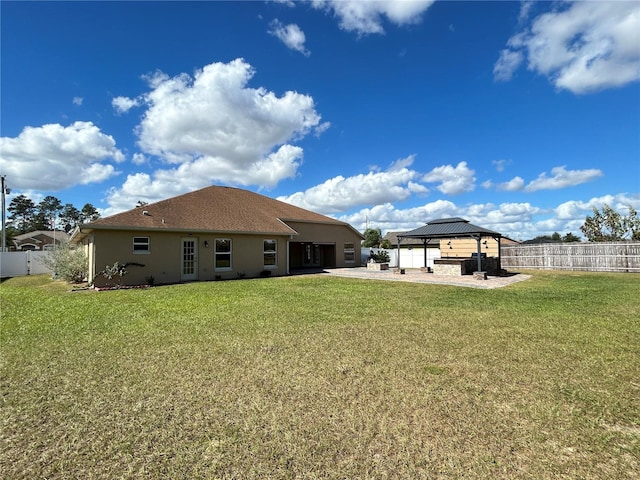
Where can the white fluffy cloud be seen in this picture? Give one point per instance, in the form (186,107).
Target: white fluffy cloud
(70,155)
(514,185)
(291,35)
(124,104)
(189,176)
(452,180)
(562,178)
(214,128)
(391,219)
(340,194)
(583,47)
(367,17)
(215,115)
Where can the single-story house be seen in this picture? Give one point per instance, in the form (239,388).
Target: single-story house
(39,240)
(215,233)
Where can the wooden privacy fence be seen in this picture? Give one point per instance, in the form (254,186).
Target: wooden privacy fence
(593,257)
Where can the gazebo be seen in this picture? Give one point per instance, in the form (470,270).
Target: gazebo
(452,228)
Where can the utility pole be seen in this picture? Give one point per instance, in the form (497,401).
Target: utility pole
(4,227)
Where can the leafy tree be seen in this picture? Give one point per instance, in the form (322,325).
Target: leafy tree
(49,209)
(385,243)
(570,238)
(69,217)
(88,213)
(372,237)
(27,216)
(22,212)
(10,234)
(556,237)
(607,225)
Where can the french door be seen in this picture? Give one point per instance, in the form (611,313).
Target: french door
(189,259)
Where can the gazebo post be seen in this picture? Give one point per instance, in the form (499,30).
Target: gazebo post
(424,243)
(479,254)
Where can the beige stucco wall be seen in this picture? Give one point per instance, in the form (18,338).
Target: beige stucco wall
(163,262)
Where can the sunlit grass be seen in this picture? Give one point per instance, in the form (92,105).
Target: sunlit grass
(321,377)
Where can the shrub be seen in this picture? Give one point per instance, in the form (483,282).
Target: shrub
(67,262)
(118,270)
(381,257)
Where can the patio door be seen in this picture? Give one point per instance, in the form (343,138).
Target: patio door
(189,259)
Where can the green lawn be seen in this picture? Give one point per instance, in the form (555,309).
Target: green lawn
(322,377)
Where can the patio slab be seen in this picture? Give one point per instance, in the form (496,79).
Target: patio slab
(418,276)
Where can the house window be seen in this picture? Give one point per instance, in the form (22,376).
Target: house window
(270,248)
(141,245)
(349,253)
(223,254)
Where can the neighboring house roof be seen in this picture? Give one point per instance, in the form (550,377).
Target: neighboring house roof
(449,228)
(31,237)
(219,209)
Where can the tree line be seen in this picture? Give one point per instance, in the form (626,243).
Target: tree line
(50,214)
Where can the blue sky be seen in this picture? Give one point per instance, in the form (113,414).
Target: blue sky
(518,116)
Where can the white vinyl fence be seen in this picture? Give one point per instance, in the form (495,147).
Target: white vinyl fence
(17,264)
(409,257)
(594,257)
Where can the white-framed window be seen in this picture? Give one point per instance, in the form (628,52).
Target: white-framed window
(349,253)
(222,254)
(270,248)
(141,245)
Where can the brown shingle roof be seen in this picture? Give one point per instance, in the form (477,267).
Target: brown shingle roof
(220,209)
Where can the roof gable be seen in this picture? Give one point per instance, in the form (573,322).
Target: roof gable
(220,209)
(35,235)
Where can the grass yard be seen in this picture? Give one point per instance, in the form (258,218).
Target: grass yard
(322,377)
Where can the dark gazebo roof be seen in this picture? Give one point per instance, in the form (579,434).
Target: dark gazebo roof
(449,228)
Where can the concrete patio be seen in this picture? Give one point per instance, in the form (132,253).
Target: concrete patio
(418,276)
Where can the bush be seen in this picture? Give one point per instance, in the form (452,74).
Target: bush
(67,262)
(119,270)
(380,257)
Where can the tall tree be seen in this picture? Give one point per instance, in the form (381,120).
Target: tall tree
(69,217)
(607,225)
(48,210)
(89,213)
(372,237)
(22,213)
